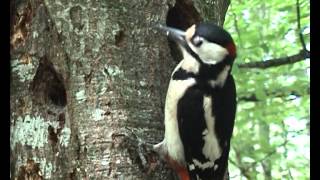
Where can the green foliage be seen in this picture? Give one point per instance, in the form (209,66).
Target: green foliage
(271,130)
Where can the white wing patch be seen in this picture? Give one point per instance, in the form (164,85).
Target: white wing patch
(191,167)
(215,166)
(211,149)
(198,178)
(203,166)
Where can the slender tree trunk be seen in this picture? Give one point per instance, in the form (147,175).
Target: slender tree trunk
(265,139)
(85,75)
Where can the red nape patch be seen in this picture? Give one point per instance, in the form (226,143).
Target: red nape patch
(232,49)
(180,169)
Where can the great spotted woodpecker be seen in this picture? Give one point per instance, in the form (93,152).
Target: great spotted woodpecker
(200,104)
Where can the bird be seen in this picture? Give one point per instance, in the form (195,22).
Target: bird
(200,105)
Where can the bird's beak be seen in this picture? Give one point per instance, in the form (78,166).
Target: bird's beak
(174,34)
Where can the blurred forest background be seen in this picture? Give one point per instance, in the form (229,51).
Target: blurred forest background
(271,137)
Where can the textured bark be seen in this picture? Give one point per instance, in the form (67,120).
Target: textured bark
(84,75)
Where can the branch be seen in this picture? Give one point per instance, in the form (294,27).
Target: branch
(235,21)
(302,55)
(242,167)
(245,169)
(299,27)
(253,97)
(269,154)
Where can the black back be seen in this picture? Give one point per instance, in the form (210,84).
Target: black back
(192,123)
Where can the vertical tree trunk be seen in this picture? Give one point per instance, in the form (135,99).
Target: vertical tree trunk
(265,139)
(84,75)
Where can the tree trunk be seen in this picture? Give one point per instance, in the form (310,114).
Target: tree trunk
(264,133)
(85,76)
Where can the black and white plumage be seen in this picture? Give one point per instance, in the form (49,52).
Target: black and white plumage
(200,103)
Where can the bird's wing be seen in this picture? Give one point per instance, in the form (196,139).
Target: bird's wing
(193,121)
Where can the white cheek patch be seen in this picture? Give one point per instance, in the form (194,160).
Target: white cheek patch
(210,53)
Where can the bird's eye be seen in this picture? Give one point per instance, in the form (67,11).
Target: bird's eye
(197,41)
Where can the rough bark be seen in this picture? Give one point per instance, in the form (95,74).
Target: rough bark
(84,75)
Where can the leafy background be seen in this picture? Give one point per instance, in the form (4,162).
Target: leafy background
(271,137)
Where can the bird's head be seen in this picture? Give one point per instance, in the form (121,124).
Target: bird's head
(206,42)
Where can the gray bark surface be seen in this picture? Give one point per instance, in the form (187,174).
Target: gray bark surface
(85,76)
